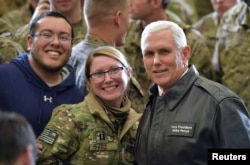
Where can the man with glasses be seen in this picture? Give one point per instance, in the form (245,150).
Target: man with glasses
(36,82)
(71,9)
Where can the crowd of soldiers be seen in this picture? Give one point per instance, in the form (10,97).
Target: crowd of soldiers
(226,42)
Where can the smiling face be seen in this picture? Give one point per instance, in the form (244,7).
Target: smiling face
(65,6)
(50,55)
(110,90)
(163,61)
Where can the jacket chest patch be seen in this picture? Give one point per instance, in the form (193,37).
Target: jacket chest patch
(102,141)
(181,129)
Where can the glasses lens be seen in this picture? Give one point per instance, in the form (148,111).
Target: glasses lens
(65,38)
(113,73)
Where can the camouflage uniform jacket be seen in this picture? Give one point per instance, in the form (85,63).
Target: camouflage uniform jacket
(182,9)
(84,134)
(8,6)
(234,50)
(77,60)
(201,56)
(8,49)
(200,8)
(207,26)
(16,19)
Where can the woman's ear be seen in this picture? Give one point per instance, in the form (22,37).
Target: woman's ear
(88,83)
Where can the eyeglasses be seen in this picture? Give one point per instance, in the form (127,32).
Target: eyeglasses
(47,36)
(113,73)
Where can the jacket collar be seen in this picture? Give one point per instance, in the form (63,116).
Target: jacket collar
(175,94)
(96,109)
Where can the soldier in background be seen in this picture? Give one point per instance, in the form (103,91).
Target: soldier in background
(8,49)
(144,12)
(208,24)
(183,10)
(17,18)
(7,6)
(232,50)
(200,7)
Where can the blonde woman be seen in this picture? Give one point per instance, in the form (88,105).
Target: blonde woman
(102,128)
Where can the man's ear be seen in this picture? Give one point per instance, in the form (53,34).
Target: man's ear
(28,157)
(186,52)
(156,3)
(117,18)
(29,42)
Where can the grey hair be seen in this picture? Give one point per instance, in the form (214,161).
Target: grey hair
(178,33)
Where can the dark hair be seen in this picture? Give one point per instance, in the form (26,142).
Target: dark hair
(15,135)
(165,3)
(33,24)
(247,2)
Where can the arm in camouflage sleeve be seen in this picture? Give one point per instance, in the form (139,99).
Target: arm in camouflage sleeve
(59,138)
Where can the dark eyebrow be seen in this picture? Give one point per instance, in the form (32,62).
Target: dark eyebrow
(46,30)
(50,31)
(165,50)
(147,52)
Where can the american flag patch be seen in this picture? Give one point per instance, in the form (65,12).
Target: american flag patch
(48,136)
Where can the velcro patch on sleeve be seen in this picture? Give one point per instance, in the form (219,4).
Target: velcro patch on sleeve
(48,136)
